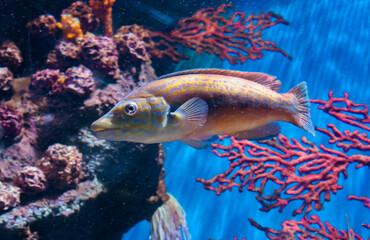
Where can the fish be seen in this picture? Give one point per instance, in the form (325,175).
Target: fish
(350,233)
(196,105)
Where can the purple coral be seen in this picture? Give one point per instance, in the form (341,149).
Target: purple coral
(6,78)
(64,55)
(9,196)
(79,81)
(31,180)
(129,44)
(85,14)
(43,26)
(10,122)
(43,81)
(62,165)
(10,55)
(100,53)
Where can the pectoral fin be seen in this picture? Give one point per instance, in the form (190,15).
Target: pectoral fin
(261,133)
(192,114)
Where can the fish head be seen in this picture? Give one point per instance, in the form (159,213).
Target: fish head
(135,120)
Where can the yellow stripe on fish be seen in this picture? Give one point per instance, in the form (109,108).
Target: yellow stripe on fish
(195,105)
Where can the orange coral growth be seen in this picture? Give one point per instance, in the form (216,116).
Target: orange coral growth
(103,11)
(70,26)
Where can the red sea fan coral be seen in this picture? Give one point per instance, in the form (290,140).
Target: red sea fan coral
(31,180)
(62,165)
(306,228)
(291,165)
(235,38)
(10,122)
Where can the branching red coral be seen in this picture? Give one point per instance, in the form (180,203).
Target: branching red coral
(365,201)
(306,228)
(236,38)
(302,170)
(354,114)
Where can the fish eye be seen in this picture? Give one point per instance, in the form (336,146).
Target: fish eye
(131,108)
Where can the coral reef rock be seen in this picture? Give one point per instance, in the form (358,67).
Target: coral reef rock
(31,180)
(100,53)
(84,13)
(6,78)
(9,196)
(10,122)
(79,81)
(43,26)
(10,55)
(61,165)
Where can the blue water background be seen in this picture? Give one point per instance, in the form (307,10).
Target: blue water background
(329,41)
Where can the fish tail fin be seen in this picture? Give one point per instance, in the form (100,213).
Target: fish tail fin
(302,116)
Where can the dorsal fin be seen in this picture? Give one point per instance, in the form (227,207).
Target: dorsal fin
(261,78)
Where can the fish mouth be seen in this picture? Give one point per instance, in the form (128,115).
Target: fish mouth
(102,124)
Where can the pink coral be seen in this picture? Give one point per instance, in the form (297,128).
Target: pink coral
(10,122)
(62,165)
(9,196)
(6,78)
(31,180)
(10,55)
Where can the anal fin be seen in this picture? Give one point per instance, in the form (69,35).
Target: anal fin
(200,142)
(261,133)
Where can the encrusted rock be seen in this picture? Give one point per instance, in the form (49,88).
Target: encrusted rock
(85,14)
(65,54)
(130,46)
(6,78)
(10,55)
(43,81)
(10,122)
(9,196)
(31,180)
(79,81)
(43,26)
(100,53)
(62,165)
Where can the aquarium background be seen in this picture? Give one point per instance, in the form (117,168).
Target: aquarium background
(329,43)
